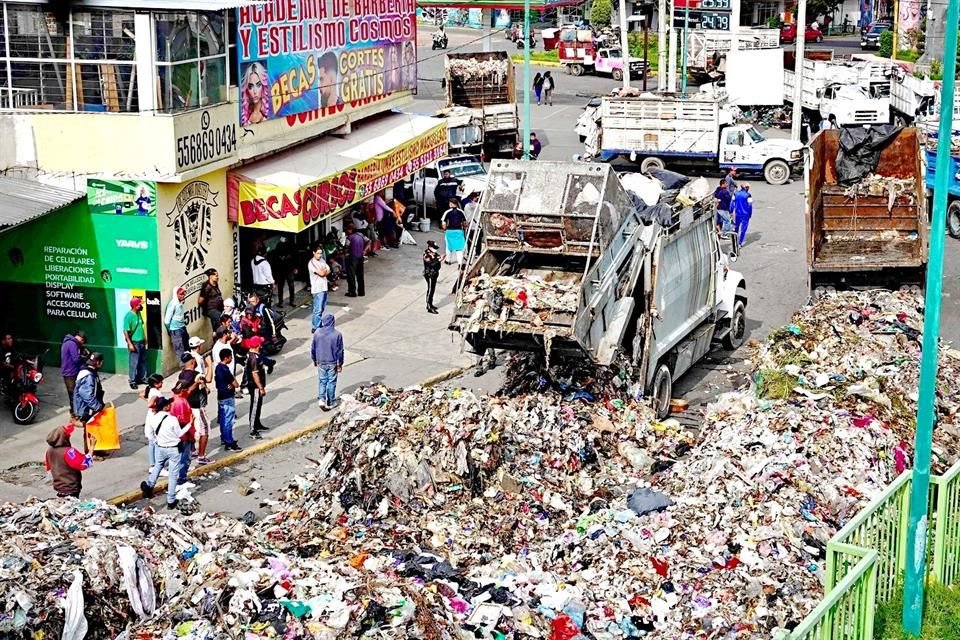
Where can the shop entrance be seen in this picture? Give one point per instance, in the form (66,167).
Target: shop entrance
(286,252)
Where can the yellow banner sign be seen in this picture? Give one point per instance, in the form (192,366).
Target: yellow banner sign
(296,208)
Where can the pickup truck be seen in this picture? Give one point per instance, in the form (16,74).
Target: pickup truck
(849,91)
(698,131)
(569,265)
(584,55)
(466,168)
(863,238)
(953,187)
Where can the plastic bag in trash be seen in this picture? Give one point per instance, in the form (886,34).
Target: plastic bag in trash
(859,152)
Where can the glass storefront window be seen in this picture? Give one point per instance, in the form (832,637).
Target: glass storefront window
(192,65)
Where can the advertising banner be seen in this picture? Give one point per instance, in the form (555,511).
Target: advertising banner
(296,208)
(296,57)
(75,271)
(121,198)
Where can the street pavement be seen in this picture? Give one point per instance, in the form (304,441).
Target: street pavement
(390,339)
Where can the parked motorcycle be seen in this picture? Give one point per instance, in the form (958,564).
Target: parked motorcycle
(274,323)
(22,389)
(439,40)
(532,40)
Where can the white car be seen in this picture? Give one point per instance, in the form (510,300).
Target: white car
(467,169)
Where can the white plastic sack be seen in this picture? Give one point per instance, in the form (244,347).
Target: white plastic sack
(407,238)
(644,187)
(138,581)
(695,190)
(74,622)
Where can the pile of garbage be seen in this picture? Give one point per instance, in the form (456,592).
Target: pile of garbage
(889,187)
(529,295)
(557,508)
(475,69)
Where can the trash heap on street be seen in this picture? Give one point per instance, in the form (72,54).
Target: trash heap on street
(528,296)
(557,508)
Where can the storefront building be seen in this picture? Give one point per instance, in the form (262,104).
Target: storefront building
(144,107)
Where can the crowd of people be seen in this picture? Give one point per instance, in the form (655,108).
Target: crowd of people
(734,208)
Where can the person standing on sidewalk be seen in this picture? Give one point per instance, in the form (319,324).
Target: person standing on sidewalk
(318,270)
(431,271)
(743,211)
(256,382)
(285,260)
(538,86)
(88,396)
(71,361)
(150,393)
(226,399)
(181,410)
(169,434)
(135,334)
(454,222)
(211,300)
(326,351)
(175,322)
(356,248)
(64,463)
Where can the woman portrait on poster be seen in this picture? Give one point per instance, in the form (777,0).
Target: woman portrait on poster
(255,103)
(392,76)
(409,66)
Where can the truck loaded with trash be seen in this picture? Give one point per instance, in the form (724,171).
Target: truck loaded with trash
(867,224)
(570,260)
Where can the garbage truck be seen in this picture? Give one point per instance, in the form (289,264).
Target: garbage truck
(871,231)
(564,260)
(481,103)
(696,131)
(953,182)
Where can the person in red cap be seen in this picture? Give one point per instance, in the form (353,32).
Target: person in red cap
(174,319)
(135,333)
(64,463)
(255,377)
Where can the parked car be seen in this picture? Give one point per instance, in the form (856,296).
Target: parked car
(788,33)
(466,168)
(871,39)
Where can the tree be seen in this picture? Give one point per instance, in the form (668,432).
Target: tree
(601,11)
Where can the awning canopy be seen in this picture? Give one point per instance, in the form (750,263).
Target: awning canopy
(298,188)
(24,200)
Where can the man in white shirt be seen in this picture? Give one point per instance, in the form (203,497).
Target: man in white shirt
(318,270)
(263,280)
(168,431)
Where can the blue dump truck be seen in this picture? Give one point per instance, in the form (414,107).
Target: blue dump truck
(953,190)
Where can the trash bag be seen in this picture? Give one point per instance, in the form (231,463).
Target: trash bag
(645,500)
(859,152)
(670,179)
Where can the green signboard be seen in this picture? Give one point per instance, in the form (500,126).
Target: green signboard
(72,270)
(122,198)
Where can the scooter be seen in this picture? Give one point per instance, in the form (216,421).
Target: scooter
(22,389)
(439,40)
(532,40)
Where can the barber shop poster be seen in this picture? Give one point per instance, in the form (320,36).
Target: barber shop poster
(299,57)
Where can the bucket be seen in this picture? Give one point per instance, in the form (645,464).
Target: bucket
(424,225)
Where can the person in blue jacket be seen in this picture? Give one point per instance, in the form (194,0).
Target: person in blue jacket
(742,211)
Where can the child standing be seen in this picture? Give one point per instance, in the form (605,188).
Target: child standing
(150,393)
(65,463)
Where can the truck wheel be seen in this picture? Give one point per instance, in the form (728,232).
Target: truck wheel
(617,75)
(776,172)
(651,163)
(738,326)
(662,391)
(576,69)
(953,219)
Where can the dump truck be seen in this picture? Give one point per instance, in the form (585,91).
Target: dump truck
(580,54)
(696,131)
(853,92)
(870,234)
(564,261)
(481,99)
(953,185)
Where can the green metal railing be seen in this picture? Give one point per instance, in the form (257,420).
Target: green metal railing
(866,558)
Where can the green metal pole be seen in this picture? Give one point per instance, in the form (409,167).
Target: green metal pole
(918,522)
(527,81)
(686,23)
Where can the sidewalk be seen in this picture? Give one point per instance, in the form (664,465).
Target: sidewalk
(389,338)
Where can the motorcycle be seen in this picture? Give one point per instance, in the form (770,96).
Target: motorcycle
(532,40)
(274,322)
(439,40)
(22,389)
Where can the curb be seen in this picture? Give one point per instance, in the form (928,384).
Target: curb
(536,63)
(198,471)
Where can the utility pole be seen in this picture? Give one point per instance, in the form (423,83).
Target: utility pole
(734,30)
(918,521)
(896,29)
(662,43)
(686,47)
(625,44)
(646,50)
(526,80)
(486,16)
(672,50)
(798,72)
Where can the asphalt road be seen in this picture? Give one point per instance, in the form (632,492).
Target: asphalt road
(773,263)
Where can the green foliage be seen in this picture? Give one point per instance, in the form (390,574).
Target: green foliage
(774,385)
(936,70)
(538,56)
(773,22)
(635,42)
(601,11)
(909,55)
(886,44)
(941,615)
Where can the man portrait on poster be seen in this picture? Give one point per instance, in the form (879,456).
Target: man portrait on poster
(329,80)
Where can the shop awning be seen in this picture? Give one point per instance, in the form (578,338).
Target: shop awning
(24,200)
(319,179)
(513,5)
